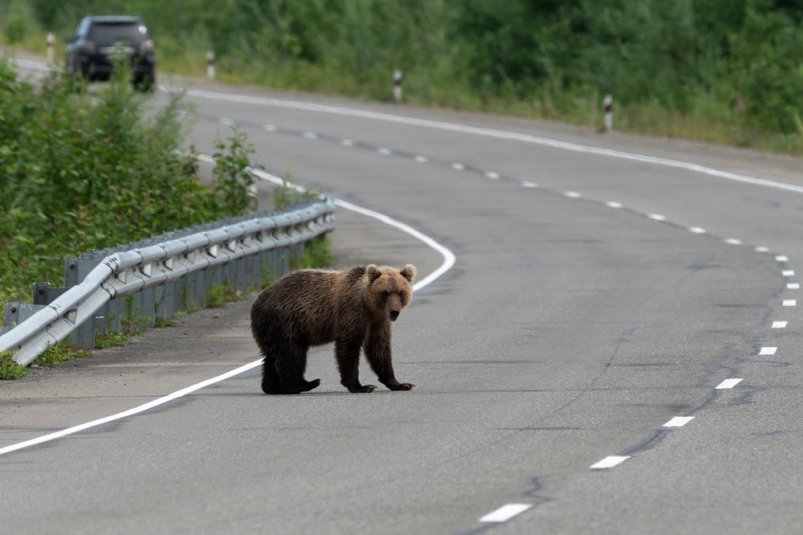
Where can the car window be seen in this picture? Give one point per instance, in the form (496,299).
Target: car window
(82,27)
(108,33)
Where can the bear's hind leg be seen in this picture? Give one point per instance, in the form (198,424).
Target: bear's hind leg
(291,366)
(270,377)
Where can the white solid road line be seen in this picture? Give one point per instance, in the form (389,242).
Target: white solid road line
(448,262)
(448,256)
(130,412)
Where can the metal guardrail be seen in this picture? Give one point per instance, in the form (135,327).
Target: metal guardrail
(128,272)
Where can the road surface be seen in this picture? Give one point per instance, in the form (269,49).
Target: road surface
(616,349)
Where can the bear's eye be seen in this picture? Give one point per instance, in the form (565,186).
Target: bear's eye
(386,294)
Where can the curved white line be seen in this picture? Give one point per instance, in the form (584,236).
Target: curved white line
(448,256)
(448,262)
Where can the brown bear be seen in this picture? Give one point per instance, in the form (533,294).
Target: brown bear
(352,307)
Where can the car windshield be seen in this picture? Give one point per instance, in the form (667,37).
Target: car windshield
(108,33)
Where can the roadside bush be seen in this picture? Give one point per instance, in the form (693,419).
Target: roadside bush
(79,173)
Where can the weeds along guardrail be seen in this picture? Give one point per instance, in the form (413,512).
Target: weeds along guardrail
(152,280)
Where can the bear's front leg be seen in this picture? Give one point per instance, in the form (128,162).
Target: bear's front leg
(347,351)
(377,351)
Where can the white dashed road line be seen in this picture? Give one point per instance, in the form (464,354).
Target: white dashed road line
(487,132)
(609,462)
(506,512)
(678,421)
(728,383)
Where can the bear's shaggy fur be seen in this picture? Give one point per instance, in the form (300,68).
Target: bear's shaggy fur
(352,307)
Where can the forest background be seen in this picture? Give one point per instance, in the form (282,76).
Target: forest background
(725,71)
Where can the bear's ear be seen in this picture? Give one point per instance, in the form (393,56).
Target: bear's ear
(373,272)
(408,272)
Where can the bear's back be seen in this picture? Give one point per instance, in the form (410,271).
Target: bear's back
(313,304)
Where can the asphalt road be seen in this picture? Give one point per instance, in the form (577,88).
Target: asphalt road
(597,296)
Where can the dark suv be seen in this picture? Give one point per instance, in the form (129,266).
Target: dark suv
(97,39)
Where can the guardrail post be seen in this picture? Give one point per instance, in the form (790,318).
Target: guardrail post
(85,333)
(44,294)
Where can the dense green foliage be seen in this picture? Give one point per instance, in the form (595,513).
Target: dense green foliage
(726,70)
(79,173)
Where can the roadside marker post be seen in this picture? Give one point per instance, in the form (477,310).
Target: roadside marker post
(51,40)
(607,104)
(210,65)
(398,76)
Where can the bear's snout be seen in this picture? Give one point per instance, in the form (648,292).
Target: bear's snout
(393,315)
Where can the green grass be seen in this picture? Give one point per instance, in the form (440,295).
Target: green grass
(105,341)
(60,352)
(317,253)
(9,369)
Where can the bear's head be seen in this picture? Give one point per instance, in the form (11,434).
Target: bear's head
(389,289)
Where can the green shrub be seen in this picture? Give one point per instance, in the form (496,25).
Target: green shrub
(79,173)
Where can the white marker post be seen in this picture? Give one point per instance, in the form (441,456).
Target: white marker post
(51,40)
(398,76)
(607,104)
(210,65)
